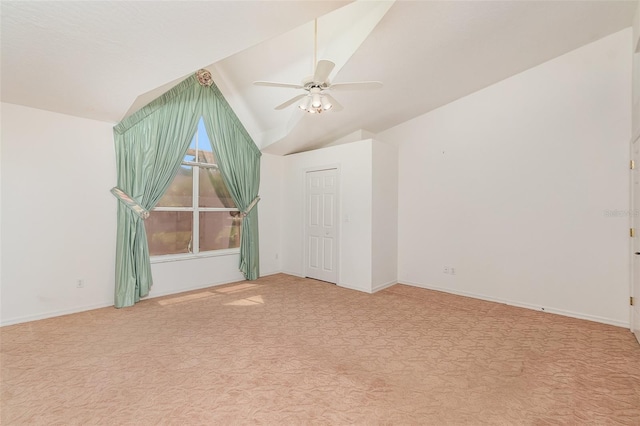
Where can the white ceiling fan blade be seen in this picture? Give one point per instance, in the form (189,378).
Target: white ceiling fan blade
(323,69)
(272,84)
(290,101)
(335,104)
(357,85)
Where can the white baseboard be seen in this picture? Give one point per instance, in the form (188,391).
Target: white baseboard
(383,286)
(344,285)
(51,314)
(295,274)
(266,274)
(351,287)
(609,321)
(186,289)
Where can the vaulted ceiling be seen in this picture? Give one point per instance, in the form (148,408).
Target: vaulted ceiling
(104,59)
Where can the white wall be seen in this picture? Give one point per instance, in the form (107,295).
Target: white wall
(58,217)
(511,186)
(354,206)
(58,220)
(271,175)
(368,211)
(184,275)
(384,223)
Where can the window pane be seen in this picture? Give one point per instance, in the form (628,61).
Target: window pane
(169,232)
(219,230)
(180,192)
(205,152)
(212,190)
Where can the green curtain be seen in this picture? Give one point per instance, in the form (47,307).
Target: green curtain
(150,146)
(239,161)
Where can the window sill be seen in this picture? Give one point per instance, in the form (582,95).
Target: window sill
(191,256)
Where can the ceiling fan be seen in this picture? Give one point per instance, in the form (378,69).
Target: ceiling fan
(316,99)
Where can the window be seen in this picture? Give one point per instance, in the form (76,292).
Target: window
(197,213)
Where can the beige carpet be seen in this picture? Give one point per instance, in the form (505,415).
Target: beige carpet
(284,350)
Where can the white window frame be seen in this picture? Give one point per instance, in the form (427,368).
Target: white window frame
(194,250)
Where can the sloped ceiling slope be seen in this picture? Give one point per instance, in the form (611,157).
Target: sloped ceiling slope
(427,53)
(101,60)
(92,59)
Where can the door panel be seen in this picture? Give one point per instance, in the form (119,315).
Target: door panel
(314,251)
(328,213)
(328,254)
(321,225)
(314,210)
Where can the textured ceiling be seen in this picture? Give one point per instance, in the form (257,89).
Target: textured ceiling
(95,59)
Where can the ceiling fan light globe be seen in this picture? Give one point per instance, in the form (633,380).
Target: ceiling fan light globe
(305,104)
(316,102)
(326,104)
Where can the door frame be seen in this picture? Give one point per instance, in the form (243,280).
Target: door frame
(634,222)
(305,215)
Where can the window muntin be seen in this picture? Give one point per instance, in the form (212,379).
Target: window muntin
(197,213)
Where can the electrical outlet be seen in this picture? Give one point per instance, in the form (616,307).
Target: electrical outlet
(453,270)
(445,270)
(276,256)
(80,283)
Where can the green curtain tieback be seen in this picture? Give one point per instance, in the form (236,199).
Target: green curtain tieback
(250,207)
(128,201)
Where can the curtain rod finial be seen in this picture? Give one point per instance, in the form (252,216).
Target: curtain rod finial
(204,77)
